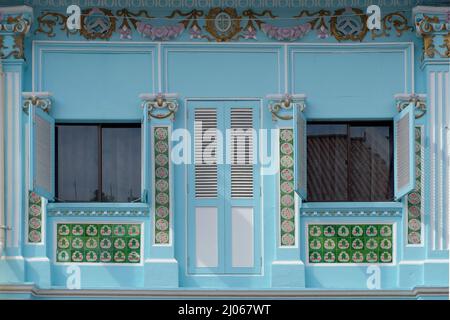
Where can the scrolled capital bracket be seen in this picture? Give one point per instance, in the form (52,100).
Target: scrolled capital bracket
(160,106)
(278,104)
(433,25)
(418,100)
(40,100)
(15,23)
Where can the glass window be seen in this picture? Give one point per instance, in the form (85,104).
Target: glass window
(100,163)
(350,162)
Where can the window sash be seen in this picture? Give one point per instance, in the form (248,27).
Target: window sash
(349,165)
(100,157)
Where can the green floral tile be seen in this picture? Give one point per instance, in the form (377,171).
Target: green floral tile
(287,194)
(162,184)
(98,243)
(351,243)
(34,218)
(415,212)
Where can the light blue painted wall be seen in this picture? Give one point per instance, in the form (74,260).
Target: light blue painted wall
(101,81)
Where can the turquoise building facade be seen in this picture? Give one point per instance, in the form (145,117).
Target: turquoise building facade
(224,229)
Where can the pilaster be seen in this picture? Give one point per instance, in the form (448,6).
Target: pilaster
(161,267)
(433,26)
(15,23)
(288,270)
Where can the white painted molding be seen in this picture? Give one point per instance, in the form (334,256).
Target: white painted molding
(288,262)
(409,96)
(36,95)
(152,96)
(295,97)
(16,10)
(430,9)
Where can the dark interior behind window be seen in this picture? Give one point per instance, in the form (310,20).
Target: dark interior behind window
(350,161)
(98,163)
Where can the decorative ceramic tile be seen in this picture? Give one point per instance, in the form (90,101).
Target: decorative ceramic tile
(415,210)
(350,243)
(162,184)
(287,196)
(98,243)
(34,218)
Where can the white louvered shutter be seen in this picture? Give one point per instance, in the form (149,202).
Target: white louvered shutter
(300,135)
(242,144)
(43,146)
(205,152)
(404,171)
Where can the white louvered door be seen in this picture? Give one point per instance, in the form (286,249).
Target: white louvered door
(224,200)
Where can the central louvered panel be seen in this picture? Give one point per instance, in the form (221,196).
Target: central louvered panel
(241,153)
(205,153)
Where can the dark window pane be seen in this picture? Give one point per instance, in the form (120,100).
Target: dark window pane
(327,162)
(121,166)
(77,161)
(370,163)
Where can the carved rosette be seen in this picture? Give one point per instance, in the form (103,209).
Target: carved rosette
(433,25)
(15,22)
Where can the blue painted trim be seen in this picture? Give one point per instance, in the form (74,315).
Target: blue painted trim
(352,205)
(94,206)
(48,194)
(407,112)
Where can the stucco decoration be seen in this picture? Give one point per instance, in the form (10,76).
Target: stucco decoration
(286,188)
(161,105)
(13,26)
(350,243)
(224,24)
(349,24)
(415,203)
(435,30)
(98,243)
(98,23)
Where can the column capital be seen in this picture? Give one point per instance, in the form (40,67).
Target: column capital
(433,25)
(15,23)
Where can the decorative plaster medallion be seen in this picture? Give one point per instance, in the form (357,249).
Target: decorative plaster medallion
(223,24)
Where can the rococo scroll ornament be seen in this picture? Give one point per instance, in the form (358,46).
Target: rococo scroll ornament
(418,100)
(433,29)
(279,104)
(40,100)
(13,28)
(160,106)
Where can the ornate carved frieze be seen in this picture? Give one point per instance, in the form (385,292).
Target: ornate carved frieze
(15,22)
(224,24)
